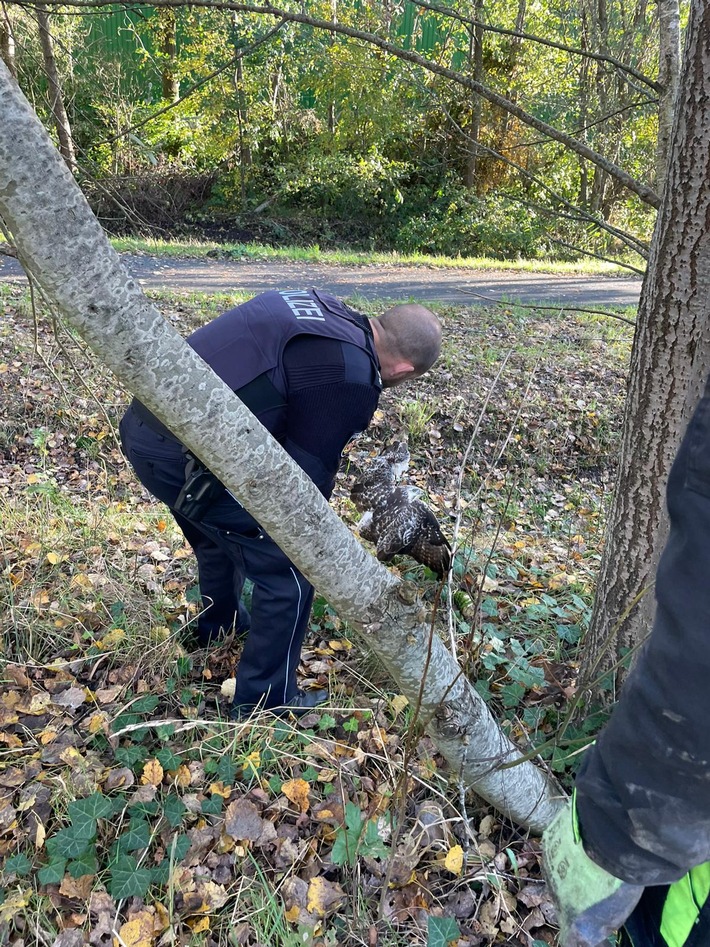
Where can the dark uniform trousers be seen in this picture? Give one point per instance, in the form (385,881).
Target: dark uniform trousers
(230,546)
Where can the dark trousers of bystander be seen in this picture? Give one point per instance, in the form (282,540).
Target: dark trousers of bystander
(230,546)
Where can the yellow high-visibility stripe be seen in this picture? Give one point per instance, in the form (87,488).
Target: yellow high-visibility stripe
(683,904)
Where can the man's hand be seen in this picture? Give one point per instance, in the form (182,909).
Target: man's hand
(591,903)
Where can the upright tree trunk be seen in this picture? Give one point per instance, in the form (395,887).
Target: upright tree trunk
(63,246)
(7,41)
(56,95)
(474,129)
(669,77)
(669,362)
(167,31)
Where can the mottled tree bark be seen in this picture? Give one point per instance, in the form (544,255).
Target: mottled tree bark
(62,245)
(56,94)
(669,363)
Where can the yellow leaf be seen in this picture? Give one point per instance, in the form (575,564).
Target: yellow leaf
(219,789)
(55,558)
(113,637)
(40,835)
(48,736)
(162,920)
(34,478)
(82,581)
(253,762)
(340,644)
(152,773)
(297,791)
(14,904)
(454,860)
(97,722)
(323,896)
(161,525)
(138,932)
(293,914)
(199,925)
(183,776)
(398,703)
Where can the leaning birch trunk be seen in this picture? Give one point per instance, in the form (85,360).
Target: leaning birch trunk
(63,247)
(669,363)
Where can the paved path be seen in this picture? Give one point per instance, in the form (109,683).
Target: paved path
(373,281)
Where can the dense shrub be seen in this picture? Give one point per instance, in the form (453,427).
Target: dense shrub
(457,223)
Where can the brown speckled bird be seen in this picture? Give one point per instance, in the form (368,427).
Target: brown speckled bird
(394,518)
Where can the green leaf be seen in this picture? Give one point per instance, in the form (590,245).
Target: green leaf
(17,865)
(125,720)
(87,864)
(128,880)
(149,807)
(84,813)
(137,837)
(347,837)
(145,704)
(326,722)
(174,809)
(67,843)
(131,756)
(167,759)
(177,849)
(352,725)
(212,806)
(371,844)
(53,872)
(227,770)
(166,732)
(442,931)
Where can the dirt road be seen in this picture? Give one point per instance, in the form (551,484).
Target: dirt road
(374,281)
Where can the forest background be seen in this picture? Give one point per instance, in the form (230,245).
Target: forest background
(241,126)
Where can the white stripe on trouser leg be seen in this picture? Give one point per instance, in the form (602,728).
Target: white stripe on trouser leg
(293,632)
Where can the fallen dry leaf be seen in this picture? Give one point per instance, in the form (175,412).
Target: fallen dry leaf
(242,821)
(297,790)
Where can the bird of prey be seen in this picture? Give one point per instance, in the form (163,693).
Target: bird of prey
(394,518)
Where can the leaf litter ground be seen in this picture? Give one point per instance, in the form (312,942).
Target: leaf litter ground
(133,813)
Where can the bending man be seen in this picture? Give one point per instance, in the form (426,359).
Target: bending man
(311,369)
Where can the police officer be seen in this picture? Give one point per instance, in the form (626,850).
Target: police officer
(311,369)
(633,846)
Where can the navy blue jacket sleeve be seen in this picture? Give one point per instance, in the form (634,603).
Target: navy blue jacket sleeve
(332,395)
(643,791)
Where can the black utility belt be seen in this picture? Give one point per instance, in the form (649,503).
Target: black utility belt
(200,490)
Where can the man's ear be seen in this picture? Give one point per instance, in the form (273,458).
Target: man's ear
(401,371)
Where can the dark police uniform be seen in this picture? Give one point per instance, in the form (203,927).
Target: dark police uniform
(643,791)
(306,365)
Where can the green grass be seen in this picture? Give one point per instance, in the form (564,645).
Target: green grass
(256,251)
